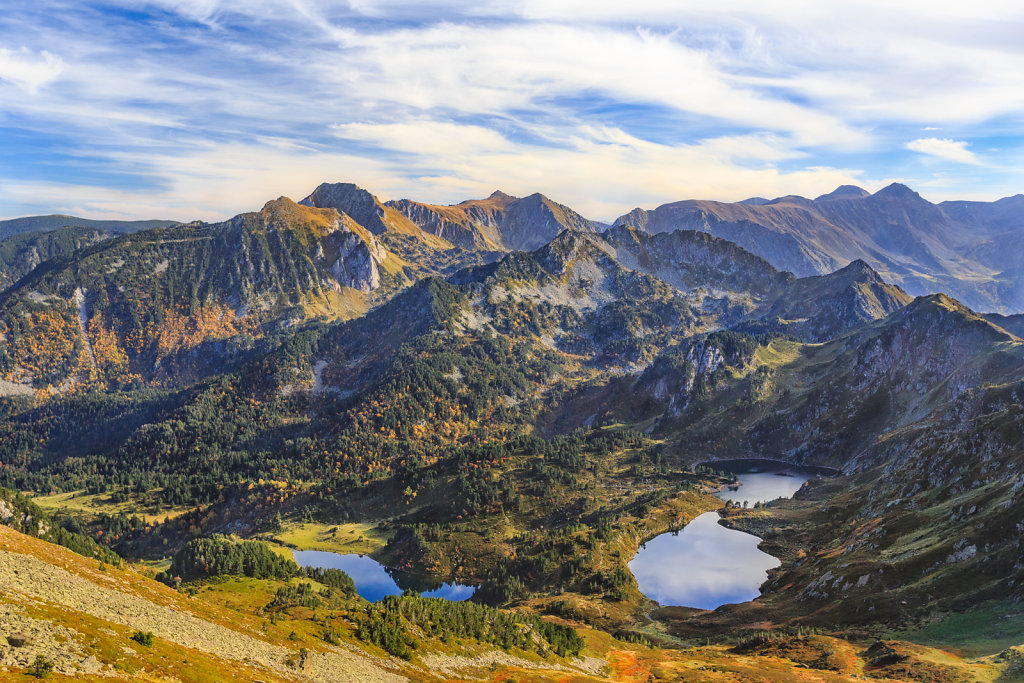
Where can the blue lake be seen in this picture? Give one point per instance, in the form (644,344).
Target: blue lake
(375,581)
(706,565)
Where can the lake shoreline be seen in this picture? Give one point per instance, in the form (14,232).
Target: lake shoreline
(724,564)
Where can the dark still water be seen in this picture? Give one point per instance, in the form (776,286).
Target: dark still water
(763,480)
(375,581)
(706,565)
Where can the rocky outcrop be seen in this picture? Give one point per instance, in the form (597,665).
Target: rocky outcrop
(356,265)
(350,199)
(679,375)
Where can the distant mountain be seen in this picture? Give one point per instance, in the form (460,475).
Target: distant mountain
(1014,324)
(969,250)
(20,253)
(500,222)
(17,226)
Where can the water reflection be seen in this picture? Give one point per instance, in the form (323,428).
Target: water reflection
(706,565)
(762,482)
(375,581)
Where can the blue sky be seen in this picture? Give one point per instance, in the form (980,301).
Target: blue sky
(205,108)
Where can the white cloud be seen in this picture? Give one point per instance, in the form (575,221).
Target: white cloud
(602,105)
(601,172)
(27,70)
(492,70)
(944,148)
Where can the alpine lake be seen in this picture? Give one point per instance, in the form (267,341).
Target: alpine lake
(703,565)
(706,565)
(375,581)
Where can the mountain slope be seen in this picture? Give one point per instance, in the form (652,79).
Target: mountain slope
(80,617)
(20,253)
(500,222)
(922,247)
(129,306)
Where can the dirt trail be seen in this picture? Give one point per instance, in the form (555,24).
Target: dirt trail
(25,575)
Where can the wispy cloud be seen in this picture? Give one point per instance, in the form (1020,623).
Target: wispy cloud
(28,70)
(944,148)
(207,107)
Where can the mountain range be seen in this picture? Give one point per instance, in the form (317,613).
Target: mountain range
(504,393)
(964,249)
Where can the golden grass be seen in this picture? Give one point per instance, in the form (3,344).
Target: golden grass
(79,501)
(361,538)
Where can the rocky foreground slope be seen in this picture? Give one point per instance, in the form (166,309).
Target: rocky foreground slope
(78,616)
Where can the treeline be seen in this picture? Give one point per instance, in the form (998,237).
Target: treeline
(387,624)
(220,556)
(217,556)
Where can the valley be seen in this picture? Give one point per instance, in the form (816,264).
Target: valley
(451,442)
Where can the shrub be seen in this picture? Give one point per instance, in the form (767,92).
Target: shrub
(41,667)
(144,638)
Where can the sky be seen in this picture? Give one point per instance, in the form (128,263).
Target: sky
(202,109)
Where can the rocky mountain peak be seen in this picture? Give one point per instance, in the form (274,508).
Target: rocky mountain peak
(844,192)
(568,246)
(860,269)
(283,211)
(350,199)
(636,218)
(533,221)
(897,191)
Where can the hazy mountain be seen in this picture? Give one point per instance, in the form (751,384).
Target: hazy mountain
(966,249)
(16,226)
(733,288)
(20,253)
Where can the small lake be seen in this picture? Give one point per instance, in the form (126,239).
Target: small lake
(375,581)
(763,480)
(706,565)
